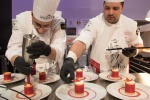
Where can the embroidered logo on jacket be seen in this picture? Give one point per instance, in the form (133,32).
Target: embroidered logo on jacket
(88,27)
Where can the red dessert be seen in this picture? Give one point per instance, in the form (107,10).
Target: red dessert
(34,69)
(79,73)
(130,86)
(115,73)
(42,76)
(7,76)
(79,87)
(28,89)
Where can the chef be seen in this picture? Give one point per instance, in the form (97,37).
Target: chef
(44,23)
(110,29)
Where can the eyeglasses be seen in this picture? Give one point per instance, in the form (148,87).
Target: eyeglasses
(38,26)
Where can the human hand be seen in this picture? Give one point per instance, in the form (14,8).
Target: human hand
(22,66)
(37,49)
(129,52)
(67,68)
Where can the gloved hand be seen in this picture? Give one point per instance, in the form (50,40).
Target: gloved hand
(67,68)
(129,52)
(37,49)
(22,66)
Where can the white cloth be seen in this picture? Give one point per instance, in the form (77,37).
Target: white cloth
(44,10)
(55,37)
(102,35)
(46,67)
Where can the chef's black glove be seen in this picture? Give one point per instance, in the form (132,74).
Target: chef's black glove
(22,66)
(67,68)
(129,52)
(37,49)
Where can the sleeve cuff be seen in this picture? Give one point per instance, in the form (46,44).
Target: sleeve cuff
(72,55)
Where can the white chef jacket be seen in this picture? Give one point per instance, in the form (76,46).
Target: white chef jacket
(103,35)
(55,37)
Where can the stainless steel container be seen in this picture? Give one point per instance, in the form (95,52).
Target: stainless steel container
(28,39)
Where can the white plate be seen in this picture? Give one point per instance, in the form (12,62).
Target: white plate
(41,91)
(4,93)
(2,89)
(142,92)
(91,92)
(122,76)
(49,79)
(15,77)
(89,76)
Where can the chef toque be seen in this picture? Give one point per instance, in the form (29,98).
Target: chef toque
(114,0)
(44,10)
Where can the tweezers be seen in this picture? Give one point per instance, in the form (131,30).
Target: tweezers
(128,48)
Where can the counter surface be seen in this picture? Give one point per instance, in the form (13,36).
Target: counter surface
(143,78)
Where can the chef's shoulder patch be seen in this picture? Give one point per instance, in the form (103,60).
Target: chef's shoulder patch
(137,32)
(88,27)
(15,25)
(63,25)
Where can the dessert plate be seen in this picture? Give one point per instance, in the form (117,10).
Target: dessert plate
(142,92)
(41,91)
(91,92)
(15,78)
(4,93)
(122,76)
(49,79)
(89,76)
(2,89)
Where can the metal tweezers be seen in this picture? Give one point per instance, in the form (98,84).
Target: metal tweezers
(128,48)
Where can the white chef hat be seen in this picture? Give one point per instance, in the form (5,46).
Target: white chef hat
(43,10)
(114,0)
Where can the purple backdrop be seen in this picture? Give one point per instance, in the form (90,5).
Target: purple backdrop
(135,9)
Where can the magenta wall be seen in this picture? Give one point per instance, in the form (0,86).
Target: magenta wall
(135,9)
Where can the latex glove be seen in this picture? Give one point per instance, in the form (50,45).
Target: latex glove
(67,68)
(22,66)
(37,49)
(129,52)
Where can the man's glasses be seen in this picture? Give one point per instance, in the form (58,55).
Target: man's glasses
(38,26)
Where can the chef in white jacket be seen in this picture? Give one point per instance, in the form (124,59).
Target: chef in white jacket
(44,23)
(109,29)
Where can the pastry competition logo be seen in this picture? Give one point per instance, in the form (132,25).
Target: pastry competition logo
(46,17)
(88,26)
